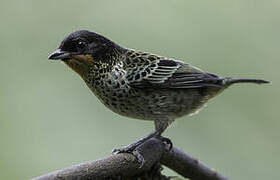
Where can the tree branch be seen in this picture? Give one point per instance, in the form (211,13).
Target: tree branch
(188,166)
(125,165)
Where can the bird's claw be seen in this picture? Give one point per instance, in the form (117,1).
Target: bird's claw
(166,141)
(121,150)
(131,149)
(127,149)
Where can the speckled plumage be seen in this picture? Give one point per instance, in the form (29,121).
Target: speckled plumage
(138,84)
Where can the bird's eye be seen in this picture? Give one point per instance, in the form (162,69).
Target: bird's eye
(81,45)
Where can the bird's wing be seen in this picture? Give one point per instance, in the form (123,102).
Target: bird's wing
(152,71)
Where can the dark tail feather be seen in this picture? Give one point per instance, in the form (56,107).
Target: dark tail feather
(230,81)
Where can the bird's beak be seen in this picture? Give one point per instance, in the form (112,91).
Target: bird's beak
(59,54)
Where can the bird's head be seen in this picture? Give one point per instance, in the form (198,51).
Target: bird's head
(82,49)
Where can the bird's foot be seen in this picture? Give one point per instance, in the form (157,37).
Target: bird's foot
(167,141)
(127,149)
(132,148)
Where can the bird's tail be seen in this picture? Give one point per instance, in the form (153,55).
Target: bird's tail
(230,81)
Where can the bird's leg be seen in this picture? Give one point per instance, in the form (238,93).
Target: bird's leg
(167,141)
(132,146)
(160,126)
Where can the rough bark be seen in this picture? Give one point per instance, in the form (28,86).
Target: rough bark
(125,166)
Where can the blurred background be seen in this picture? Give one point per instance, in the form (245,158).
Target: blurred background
(50,120)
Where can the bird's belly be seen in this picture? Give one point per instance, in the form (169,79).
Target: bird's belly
(149,105)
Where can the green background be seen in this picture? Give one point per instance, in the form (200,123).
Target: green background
(49,119)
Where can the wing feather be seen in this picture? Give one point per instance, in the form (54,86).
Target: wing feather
(159,72)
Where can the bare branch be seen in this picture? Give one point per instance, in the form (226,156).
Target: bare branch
(188,166)
(125,165)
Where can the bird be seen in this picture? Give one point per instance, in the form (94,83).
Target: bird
(139,84)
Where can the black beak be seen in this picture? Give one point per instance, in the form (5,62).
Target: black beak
(59,54)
